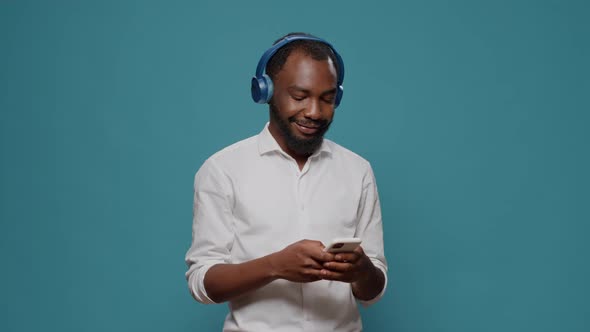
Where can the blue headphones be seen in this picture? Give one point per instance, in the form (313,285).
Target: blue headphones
(262,87)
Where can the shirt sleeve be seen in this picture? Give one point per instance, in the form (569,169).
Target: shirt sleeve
(370,228)
(213,231)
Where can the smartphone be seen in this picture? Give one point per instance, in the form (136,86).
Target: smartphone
(347,244)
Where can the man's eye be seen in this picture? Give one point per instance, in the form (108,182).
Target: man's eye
(298,98)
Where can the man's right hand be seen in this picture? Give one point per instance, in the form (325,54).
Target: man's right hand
(301,261)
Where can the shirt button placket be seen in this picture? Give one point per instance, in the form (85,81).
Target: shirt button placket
(302,218)
(299,193)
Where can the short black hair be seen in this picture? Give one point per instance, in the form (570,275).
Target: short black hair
(317,50)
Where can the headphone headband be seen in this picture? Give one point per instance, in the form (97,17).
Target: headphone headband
(262,86)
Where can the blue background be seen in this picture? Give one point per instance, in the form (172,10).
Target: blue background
(474,115)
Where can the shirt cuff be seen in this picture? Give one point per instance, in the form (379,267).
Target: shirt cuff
(196,282)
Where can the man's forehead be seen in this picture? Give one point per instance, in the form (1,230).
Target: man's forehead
(302,66)
(300,55)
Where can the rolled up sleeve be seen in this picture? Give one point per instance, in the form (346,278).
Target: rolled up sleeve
(212,229)
(370,228)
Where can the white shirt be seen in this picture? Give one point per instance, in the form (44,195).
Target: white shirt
(251,200)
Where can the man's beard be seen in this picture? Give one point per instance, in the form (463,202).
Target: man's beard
(305,146)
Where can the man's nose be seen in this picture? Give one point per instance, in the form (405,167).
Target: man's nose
(313,110)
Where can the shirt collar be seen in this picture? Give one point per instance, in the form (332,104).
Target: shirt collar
(267,143)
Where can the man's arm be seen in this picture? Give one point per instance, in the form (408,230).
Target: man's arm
(369,285)
(364,268)
(299,262)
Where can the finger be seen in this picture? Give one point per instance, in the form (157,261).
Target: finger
(332,275)
(313,243)
(320,255)
(349,257)
(339,267)
(312,274)
(313,264)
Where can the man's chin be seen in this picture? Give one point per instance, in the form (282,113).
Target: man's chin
(308,138)
(305,145)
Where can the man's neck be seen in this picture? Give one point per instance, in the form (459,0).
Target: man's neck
(301,159)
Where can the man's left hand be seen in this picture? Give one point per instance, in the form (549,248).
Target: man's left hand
(348,266)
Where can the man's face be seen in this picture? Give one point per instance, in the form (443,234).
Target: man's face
(302,106)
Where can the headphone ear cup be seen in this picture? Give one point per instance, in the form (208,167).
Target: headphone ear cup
(269,89)
(261,89)
(256,89)
(338,98)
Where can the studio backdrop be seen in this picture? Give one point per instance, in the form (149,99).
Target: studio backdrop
(473,114)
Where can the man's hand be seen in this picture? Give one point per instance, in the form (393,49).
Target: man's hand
(347,266)
(355,268)
(301,261)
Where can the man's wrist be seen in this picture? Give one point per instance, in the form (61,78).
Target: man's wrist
(369,273)
(273,272)
(365,287)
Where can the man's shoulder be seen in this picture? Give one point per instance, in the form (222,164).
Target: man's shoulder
(343,154)
(228,158)
(236,151)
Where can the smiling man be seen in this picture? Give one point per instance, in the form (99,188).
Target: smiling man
(302,106)
(265,206)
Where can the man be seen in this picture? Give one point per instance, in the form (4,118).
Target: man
(263,207)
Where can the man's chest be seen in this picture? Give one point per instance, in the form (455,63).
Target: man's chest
(281,207)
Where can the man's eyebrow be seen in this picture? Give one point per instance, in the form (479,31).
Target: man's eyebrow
(331,91)
(298,88)
(301,89)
